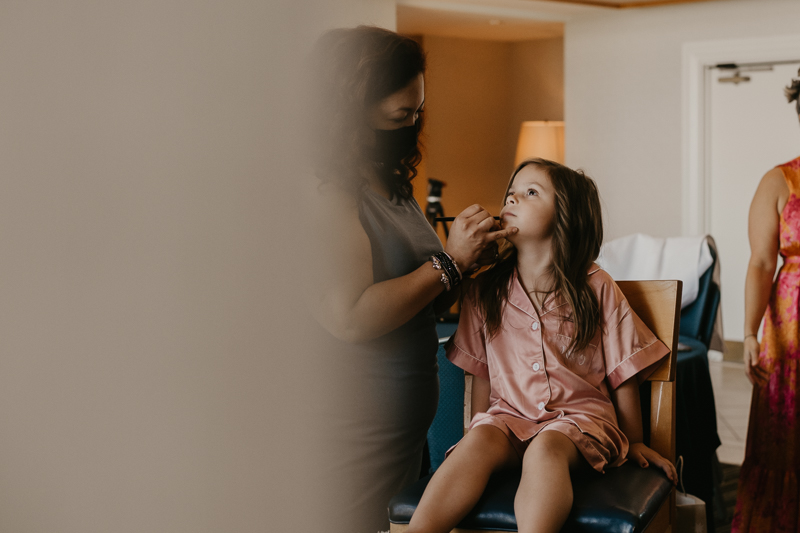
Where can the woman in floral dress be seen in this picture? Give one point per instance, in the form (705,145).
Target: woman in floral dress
(768,497)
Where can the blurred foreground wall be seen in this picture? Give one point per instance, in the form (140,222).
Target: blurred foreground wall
(152,374)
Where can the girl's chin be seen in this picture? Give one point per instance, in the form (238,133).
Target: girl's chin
(529,237)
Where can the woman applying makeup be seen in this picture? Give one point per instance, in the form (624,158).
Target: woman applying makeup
(383,273)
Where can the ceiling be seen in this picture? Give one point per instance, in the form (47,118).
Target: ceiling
(421,21)
(504,20)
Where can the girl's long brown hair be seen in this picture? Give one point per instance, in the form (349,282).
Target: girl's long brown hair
(577,237)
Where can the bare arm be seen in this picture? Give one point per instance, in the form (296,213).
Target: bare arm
(345,299)
(481,388)
(629,416)
(763,232)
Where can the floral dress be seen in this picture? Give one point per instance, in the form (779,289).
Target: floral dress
(768,497)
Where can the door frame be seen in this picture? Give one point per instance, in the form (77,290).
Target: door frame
(697,56)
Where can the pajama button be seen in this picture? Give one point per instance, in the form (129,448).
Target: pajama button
(535,367)
(535,326)
(540,406)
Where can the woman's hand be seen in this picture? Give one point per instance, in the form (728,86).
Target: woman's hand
(488,255)
(473,230)
(757,375)
(645,456)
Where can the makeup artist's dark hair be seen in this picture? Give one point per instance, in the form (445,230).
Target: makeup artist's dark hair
(354,69)
(792,92)
(577,237)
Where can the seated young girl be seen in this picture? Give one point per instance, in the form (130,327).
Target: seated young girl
(557,356)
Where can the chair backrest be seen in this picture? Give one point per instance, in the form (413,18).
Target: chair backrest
(658,304)
(697,319)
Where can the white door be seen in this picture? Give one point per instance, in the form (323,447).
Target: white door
(751,129)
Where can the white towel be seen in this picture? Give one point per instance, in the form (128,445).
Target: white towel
(641,256)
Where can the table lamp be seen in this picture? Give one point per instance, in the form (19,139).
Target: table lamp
(541,138)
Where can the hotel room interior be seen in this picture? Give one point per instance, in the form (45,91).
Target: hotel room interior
(621,80)
(671,145)
(116,116)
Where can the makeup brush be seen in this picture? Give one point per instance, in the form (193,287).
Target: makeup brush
(450,219)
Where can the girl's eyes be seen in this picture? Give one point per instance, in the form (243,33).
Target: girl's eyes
(529,192)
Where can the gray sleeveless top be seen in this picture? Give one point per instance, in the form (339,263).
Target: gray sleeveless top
(392,380)
(402,240)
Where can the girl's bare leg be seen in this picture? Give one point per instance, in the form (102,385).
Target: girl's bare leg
(544,497)
(458,484)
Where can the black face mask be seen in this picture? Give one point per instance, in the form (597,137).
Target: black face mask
(392,146)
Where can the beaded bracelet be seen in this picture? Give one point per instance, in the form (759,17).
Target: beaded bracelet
(454,265)
(449,266)
(445,278)
(451,275)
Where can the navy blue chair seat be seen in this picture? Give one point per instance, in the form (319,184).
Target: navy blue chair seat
(624,500)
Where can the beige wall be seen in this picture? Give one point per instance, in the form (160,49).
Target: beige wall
(150,376)
(468,138)
(537,80)
(477,94)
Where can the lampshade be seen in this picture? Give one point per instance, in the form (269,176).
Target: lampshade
(543,139)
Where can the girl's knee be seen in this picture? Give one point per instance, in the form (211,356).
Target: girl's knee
(552,446)
(489,442)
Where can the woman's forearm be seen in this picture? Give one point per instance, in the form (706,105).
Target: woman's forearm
(758,285)
(346,300)
(381,307)
(763,230)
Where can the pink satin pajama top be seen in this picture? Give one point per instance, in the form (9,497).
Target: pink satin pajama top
(536,383)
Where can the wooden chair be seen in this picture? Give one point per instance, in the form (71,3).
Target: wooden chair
(626,499)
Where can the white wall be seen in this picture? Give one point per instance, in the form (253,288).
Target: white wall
(752,128)
(623,100)
(149,370)
(537,81)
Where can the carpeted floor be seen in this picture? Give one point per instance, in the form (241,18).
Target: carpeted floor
(726,501)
